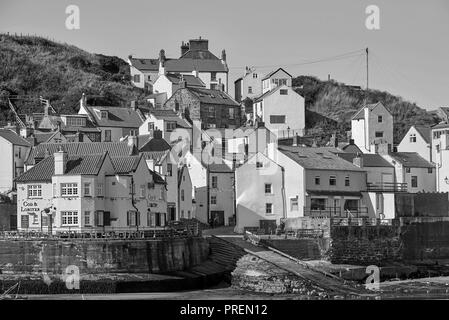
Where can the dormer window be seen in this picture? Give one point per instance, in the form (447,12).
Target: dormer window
(103,114)
(171,125)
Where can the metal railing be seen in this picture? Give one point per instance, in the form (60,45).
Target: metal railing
(386,187)
(330,212)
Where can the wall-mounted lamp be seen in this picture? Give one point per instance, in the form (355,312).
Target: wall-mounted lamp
(446,180)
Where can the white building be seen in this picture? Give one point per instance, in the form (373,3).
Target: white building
(372,125)
(171,125)
(282,111)
(276,78)
(319,183)
(260,194)
(221,195)
(381,182)
(248,86)
(170,82)
(417,139)
(114,122)
(413,170)
(144,72)
(440,155)
(88,193)
(14,150)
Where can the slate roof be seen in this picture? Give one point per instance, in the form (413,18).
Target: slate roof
(273,72)
(349,147)
(155,144)
(369,159)
(170,115)
(115,149)
(411,160)
(323,158)
(199,54)
(190,79)
(425,132)
(14,138)
(117,117)
(211,96)
(76,165)
(441,126)
(145,64)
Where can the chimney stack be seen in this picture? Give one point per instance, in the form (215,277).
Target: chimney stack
(83,101)
(60,161)
(334,141)
(157,134)
(132,141)
(133,105)
(184,48)
(358,160)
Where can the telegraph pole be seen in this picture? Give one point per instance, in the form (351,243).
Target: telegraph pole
(367,69)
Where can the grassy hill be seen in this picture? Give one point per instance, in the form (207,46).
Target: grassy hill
(34,66)
(339,102)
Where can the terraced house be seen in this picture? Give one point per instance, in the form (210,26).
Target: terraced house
(213,108)
(85,193)
(113,122)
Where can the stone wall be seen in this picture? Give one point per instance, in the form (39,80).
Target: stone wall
(365,245)
(102,256)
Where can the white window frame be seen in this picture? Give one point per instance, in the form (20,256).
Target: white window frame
(270,188)
(100,190)
(69,189)
(333,178)
(87,219)
(34,191)
(269,206)
(69,218)
(87,186)
(214,198)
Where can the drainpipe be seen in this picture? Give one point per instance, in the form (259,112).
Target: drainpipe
(284,204)
(133,203)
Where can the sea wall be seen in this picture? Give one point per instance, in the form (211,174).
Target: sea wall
(102,256)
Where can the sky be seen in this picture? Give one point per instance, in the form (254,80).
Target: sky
(408,55)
